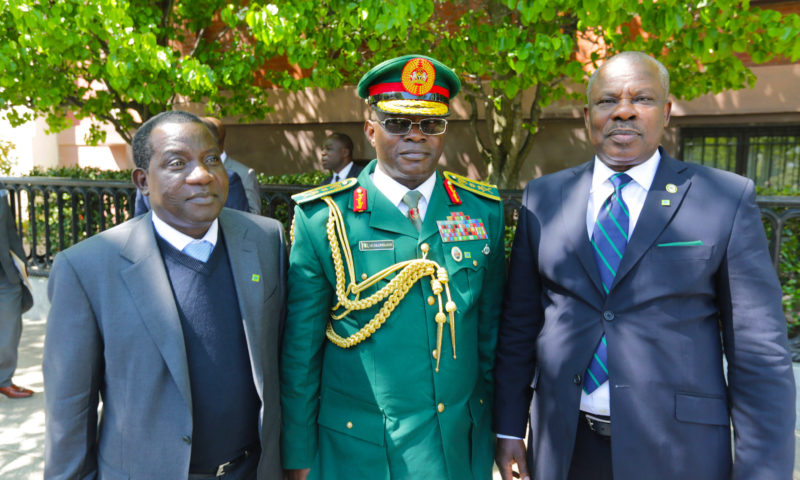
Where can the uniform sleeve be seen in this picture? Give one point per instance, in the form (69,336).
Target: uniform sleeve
(73,370)
(491,296)
(303,341)
(760,380)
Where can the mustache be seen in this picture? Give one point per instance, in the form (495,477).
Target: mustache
(624,128)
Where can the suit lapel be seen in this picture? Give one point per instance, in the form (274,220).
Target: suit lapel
(659,208)
(148,284)
(248,279)
(574,202)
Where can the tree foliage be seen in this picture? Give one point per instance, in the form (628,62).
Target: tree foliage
(123,61)
(503,48)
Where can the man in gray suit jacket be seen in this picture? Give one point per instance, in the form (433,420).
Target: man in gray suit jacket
(171,321)
(248,175)
(631,277)
(15,299)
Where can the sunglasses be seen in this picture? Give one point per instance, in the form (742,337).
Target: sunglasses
(401,126)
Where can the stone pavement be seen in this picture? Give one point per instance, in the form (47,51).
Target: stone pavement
(22,420)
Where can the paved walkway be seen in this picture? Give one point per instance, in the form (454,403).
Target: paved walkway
(22,421)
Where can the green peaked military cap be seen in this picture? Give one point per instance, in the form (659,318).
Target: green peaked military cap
(410,85)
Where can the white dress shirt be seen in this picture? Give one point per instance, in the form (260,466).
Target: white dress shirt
(342,174)
(178,239)
(634,195)
(395,191)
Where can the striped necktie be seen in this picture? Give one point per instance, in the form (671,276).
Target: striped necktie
(609,239)
(411,199)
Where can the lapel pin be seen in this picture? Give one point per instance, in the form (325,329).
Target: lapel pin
(456,254)
(256,278)
(486,250)
(665,202)
(672,188)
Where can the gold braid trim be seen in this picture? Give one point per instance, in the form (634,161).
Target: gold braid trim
(348,298)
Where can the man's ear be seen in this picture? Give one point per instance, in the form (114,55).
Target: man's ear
(139,177)
(369,131)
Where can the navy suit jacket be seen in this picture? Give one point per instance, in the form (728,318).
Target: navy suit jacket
(695,285)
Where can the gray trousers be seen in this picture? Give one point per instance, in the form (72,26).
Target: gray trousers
(10,327)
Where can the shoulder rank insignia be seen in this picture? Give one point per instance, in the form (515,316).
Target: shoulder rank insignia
(324,190)
(451,192)
(479,188)
(360,199)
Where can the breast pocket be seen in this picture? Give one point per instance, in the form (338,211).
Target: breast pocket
(466,264)
(681,253)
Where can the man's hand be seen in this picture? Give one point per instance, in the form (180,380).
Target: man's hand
(508,452)
(301,474)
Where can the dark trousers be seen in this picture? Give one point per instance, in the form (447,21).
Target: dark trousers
(591,458)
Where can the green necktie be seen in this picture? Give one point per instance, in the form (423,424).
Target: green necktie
(411,199)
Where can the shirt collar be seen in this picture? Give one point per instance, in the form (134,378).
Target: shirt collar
(178,239)
(344,171)
(643,174)
(395,191)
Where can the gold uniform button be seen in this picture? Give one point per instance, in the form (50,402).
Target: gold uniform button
(481,400)
(440,407)
(349,424)
(435,354)
(424,248)
(363,276)
(431,300)
(474,263)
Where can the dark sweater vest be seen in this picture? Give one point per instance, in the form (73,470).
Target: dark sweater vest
(225,403)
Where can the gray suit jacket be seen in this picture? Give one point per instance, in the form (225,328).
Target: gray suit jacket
(249,181)
(695,283)
(113,334)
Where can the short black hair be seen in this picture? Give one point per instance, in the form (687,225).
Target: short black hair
(141,146)
(345,140)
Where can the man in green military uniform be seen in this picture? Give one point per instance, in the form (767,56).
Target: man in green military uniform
(395,283)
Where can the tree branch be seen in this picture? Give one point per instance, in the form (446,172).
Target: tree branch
(473,123)
(534,113)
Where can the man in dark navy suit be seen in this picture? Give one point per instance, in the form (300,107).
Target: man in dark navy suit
(632,278)
(337,156)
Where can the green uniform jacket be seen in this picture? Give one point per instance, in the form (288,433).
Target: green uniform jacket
(379,410)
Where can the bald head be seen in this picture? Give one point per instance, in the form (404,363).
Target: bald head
(636,58)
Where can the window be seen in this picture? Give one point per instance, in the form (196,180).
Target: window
(770,155)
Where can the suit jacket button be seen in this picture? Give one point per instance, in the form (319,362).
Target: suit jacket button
(187,439)
(608,315)
(576,379)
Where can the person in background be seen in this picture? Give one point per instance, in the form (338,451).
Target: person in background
(337,156)
(15,299)
(248,175)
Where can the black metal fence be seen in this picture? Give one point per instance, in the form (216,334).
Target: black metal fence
(53,213)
